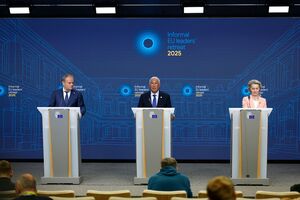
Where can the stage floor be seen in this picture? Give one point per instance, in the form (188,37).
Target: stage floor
(119,176)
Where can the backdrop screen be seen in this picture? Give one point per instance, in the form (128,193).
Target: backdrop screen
(204,64)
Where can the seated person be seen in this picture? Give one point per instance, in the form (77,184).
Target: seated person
(168,179)
(220,188)
(6,173)
(295,188)
(26,189)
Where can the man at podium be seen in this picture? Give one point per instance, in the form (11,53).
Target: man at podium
(254,100)
(67,96)
(155,98)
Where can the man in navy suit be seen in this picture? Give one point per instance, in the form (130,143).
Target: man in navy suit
(67,96)
(155,97)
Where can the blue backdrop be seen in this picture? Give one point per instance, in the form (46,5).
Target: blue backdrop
(204,64)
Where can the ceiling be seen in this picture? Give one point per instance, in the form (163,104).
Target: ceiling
(149,8)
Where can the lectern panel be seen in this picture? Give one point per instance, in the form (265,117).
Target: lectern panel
(60,141)
(250,143)
(153,121)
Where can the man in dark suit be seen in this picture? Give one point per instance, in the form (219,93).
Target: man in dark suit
(67,96)
(155,97)
(26,189)
(6,173)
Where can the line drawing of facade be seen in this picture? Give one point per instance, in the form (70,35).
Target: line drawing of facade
(202,123)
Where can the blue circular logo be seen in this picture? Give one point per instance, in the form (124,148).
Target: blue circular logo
(187,90)
(59,86)
(125,90)
(2,91)
(245,91)
(148,43)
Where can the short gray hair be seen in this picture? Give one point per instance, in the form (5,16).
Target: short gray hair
(251,82)
(65,76)
(154,77)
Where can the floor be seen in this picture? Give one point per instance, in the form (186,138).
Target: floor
(119,176)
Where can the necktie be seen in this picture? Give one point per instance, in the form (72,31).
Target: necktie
(66,97)
(154,101)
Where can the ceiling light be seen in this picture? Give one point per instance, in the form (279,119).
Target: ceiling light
(106,10)
(191,10)
(278,9)
(19,10)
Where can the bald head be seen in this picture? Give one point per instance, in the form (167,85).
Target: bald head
(26,183)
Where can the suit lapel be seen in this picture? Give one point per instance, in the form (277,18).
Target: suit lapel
(61,95)
(149,99)
(72,94)
(159,100)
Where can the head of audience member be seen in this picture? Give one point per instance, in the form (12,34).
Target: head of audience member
(154,84)
(26,183)
(168,162)
(220,188)
(68,82)
(254,86)
(5,169)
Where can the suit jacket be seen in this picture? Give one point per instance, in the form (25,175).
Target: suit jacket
(249,103)
(75,100)
(164,100)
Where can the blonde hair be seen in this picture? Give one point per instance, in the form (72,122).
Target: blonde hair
(220,188)
(251,82)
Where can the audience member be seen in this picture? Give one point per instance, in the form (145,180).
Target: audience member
(220,188)
(26,188)
(168,179)
(6,173)
(295,188)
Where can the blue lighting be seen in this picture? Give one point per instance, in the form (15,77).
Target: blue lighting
(148,43)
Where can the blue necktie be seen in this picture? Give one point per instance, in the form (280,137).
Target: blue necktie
(66,98)
(154,101)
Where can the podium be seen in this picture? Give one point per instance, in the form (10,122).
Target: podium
(153,140)
(61,142)
(249,145)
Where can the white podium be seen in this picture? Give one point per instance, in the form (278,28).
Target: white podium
(153,140)
(61,144)
(249,145)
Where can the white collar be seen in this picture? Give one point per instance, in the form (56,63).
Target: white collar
(157,93)
(64,90)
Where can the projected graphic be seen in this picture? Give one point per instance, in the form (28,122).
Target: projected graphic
(148,43)
(204,64)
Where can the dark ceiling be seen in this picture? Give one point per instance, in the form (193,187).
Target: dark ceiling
(150,8)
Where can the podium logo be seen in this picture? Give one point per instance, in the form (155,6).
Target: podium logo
(2,91)
(58,115)
(250,115)
(152,115)
(148,43)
